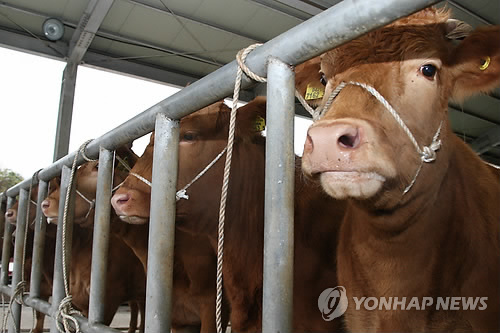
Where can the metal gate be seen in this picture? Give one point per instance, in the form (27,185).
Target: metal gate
(343,22)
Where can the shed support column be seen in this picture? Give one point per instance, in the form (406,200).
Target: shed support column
(279,199)
(101,237)
(162,226)
(65,115)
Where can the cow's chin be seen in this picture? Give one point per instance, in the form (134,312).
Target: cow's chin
(133,219)
(351,184)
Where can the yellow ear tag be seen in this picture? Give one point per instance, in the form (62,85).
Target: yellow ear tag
(486,63)
(314,92)
(260,124)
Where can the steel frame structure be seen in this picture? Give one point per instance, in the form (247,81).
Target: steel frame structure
(274,59)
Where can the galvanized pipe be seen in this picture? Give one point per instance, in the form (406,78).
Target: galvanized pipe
(38,242)
(277,304)
(44,307)
(17,271)
(6,250)
(344,21)
(101,237)
(58,292)
(162,226)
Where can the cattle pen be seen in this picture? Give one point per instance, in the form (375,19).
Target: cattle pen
(340,23)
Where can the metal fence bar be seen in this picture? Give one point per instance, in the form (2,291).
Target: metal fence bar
(38,242)
(344,21)
(162,226)
(6,246)
(38,304)
(17,271)
(101,236)
(279,204)
(58,292)
(45,307)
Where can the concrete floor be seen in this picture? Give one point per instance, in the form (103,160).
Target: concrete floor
(120,321)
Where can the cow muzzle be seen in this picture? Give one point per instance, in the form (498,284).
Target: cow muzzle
(339,154)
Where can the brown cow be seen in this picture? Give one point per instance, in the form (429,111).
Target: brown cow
(203,136)
(48,253)
(194,259)
(420,222)
(125,275)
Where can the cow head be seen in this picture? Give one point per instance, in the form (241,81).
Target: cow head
(86,188)
(358,149)
(203,136)
(11,213)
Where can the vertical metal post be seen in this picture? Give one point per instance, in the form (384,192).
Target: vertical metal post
(279,201)
(7,241)
(101,236)
(38,242)
(17,271)
(6,246)
(65,110)
(58,292)
(162,226)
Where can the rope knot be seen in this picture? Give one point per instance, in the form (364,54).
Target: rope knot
(429,152)
(65,314)
(181,194)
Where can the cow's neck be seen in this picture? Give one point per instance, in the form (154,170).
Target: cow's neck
(434,239)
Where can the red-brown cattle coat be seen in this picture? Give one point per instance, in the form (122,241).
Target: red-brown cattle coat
(442,237)
(203,135)
(125,277)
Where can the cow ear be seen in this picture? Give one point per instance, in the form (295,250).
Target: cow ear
(476,63)
(251,117)
(127,157)
(308,81)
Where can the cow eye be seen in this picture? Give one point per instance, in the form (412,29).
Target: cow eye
(323,79)
(189,136)
(428,70)
(96,166)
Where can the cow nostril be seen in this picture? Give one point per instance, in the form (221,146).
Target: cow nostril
(9,214)
(45,204)
(350,140)
(120,199)
(308,145)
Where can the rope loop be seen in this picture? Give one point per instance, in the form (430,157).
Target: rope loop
(82,151)
(65,314)
(241,57)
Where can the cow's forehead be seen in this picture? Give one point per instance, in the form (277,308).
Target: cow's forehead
(419,35)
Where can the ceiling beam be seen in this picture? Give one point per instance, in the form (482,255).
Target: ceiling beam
(302,6)
(285,10)
(90,21)
(487,141)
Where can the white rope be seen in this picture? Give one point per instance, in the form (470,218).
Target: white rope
(65,310)
(181,194)
(240,58)
(306,106)
(427,153)
(90,202)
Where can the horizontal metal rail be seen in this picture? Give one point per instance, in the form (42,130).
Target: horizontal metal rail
(335,26)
